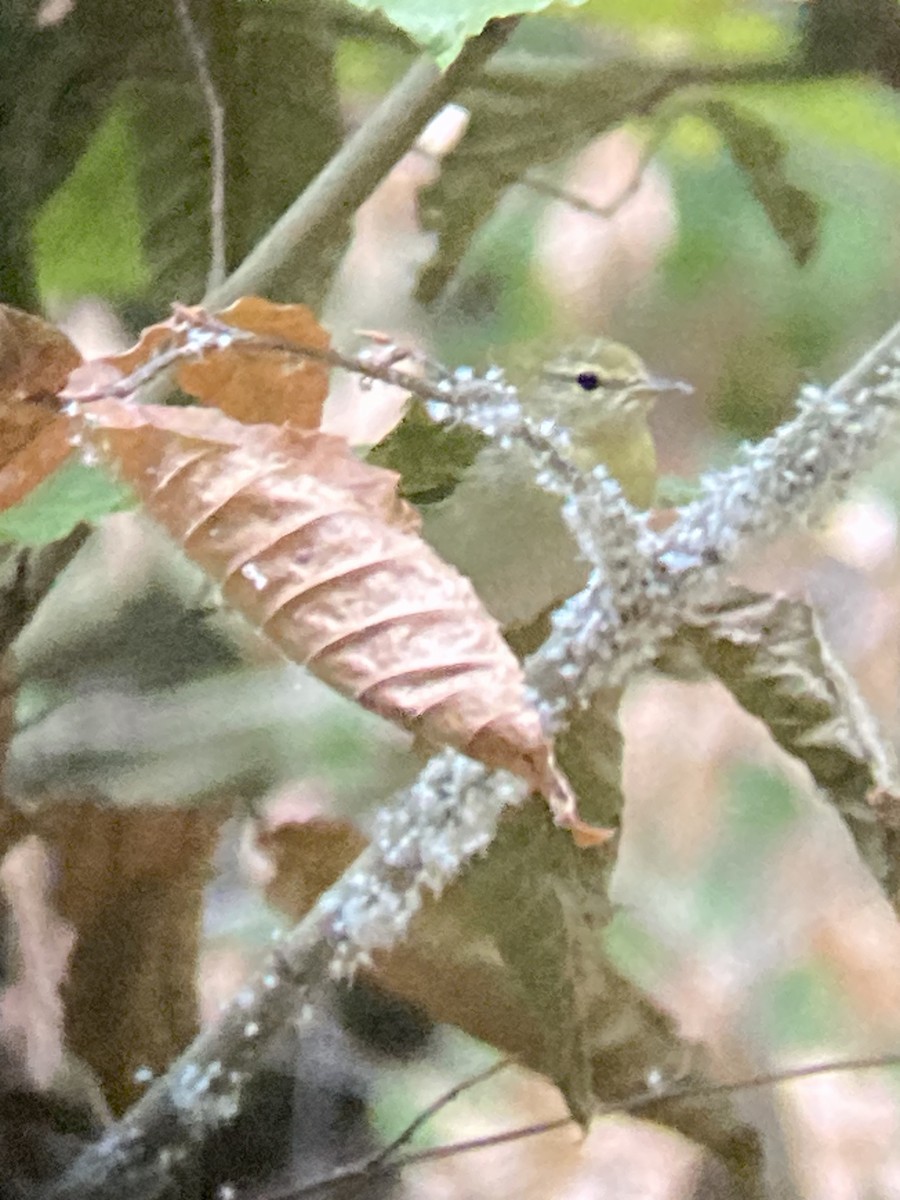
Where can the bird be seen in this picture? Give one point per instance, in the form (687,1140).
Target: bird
(500,527)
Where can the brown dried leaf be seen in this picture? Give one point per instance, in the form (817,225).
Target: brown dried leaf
(48,450)
(35,360)
(272,385)
(153,339)
(249,383)
(130,883)
(315,548)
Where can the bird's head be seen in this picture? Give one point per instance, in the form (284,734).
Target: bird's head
(597,381)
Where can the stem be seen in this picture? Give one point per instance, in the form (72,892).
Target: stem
(216,116)
(362,162)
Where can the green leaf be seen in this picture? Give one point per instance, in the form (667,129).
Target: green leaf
(55,84)
(713,27)
(443,28)
(853,116)
(760,813)
(808,1008)
(274,69)
(73,494)
(75,253)
(430,458)
(686,15)
(761,154)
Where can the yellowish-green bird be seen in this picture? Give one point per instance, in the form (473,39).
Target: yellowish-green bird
(503,530)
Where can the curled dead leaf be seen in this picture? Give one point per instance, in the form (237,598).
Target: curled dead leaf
(48,450)
(250,382)
(35,360)
(314,547)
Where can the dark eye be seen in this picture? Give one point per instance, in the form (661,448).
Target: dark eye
(589,380)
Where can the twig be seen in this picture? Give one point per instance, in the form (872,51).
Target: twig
(641,1102)
(604,211)
(436,1106)
(535,182)
(218,265)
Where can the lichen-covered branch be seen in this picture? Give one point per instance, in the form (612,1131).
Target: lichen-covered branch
(451,812)
(778,483)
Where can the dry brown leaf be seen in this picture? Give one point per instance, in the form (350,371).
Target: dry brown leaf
(255,385)
(130,883)
(314,547)
(153,339)
(35,360)
(48,450)
(249,383)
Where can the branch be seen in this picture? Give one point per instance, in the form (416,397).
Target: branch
(387,1162)
(781,481)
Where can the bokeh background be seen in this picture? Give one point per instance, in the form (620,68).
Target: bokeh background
(152,727)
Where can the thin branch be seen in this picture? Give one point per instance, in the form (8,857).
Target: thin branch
(218,265)
(389,1152)
(535,182)
(640,1102)
(603,211)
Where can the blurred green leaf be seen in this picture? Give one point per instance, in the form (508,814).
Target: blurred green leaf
(443,28)
(674,14)
(760,811)
(850,115)
(56,83)
(806,1007)
(74,252)
(73,494)
(274,68)
(282,123)
(852,36)
(695,25)
(430,458)
(760,153)
(716,221)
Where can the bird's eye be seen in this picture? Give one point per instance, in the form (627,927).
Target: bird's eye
(588,380)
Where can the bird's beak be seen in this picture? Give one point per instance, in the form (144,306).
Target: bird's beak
(657,384)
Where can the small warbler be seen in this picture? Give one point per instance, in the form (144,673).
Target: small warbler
(507,533)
